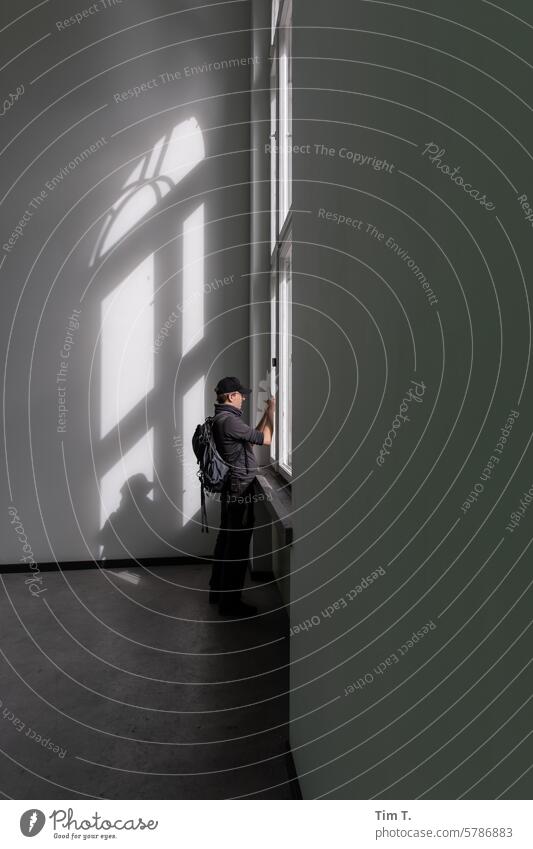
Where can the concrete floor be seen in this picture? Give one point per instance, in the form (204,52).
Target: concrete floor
(144,696)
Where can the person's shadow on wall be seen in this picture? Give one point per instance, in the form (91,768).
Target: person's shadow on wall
(132,527)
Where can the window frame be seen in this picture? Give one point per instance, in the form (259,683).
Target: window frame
(283,60)
(284,324)
(281,232)
(274,163)
(274,19)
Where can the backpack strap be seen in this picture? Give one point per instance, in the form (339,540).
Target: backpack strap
(245,456)
(205,526)
(227,417)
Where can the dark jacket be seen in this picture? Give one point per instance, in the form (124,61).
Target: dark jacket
(234,440)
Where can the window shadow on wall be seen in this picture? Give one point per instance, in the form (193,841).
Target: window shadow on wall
(148,269)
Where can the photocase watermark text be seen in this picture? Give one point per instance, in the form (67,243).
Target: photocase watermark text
(11,99)
(435,155)
(35,580)
(415,394)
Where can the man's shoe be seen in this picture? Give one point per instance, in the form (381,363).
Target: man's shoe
(238,609)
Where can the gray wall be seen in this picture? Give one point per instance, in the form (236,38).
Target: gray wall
(433,717)
(66,260)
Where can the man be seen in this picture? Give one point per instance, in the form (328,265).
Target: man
(234,440)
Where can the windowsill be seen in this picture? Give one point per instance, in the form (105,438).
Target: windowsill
(278,500)
(279,479)
(284,475)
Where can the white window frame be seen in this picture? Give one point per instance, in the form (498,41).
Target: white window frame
(276,5)
(281,234)
(274,194)
(284,63)
(274,354)
(285,356)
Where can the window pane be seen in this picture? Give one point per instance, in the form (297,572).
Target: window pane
(281,199)
(274,352)
(282,130)
(289,106)
(285,351)
(275,11)
(285,116)
(273,157)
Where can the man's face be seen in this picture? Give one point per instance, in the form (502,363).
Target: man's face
(237,399)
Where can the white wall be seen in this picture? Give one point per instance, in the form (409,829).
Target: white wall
(130,410)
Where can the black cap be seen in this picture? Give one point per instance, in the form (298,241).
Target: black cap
(231,384)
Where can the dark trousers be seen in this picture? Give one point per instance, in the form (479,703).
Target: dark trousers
(232,550)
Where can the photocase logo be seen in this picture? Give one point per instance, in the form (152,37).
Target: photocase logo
(32,822)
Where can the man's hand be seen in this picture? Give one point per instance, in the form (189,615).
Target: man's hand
(266,425)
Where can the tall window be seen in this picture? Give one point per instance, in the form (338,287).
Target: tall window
(285,355)
(285,112)
(280,224)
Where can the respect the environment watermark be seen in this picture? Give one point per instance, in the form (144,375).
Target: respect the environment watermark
(50,185)
(369,229)
(183,74)
(84,14)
